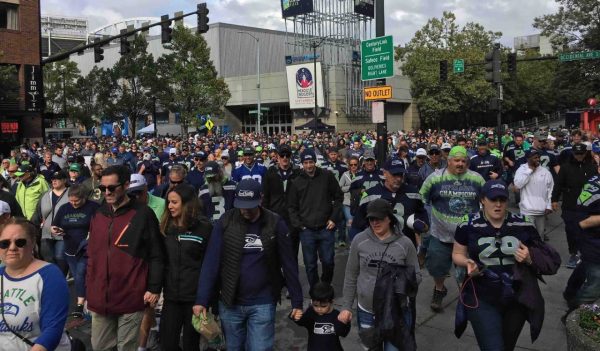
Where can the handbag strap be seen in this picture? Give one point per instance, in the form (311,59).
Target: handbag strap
(25,340)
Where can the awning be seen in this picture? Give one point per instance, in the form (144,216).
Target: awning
(320,126)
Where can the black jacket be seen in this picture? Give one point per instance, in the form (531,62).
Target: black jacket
(571,178)
(185,251)
(314,201)
(275,191)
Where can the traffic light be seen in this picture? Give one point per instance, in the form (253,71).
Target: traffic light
(166,33)
(98,53)
(125,44)
(493,66)
(202,18)
(443,70)
(512,63)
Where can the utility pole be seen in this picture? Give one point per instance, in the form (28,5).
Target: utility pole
(493,68)
(258,110)
(380,32)
(315,80)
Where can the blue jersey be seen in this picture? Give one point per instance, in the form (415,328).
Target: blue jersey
(588,204)
(213,207)
(548,160)
(337,168)
(366,180)
(256,172)
(486,164)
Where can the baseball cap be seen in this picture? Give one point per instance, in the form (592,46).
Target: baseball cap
(75,167)
(172,151)
(578,148)
(225,154)
(494,189)
(308,155)
(59,175)
(541,136)
(211,169)
(369,155)
(446,146)
(379,209)
(394,166)
(284,150)
(114,150)
(201,155)
(482,142)
(248,151)
(247,194)
(136,182)
(421,153)
(532,152)
(4,207)
(24,168)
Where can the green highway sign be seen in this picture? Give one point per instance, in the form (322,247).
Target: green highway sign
(579,55)
(377,58)
(459,66)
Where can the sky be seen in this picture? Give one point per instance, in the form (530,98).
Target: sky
(403,18)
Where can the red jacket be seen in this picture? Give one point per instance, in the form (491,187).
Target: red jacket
(126,254)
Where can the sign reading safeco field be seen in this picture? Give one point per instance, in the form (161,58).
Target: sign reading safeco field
(377,58)
(382,92)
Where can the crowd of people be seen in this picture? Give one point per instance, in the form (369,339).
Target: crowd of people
(179,227)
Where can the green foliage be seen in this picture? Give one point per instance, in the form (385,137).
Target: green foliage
(589,321)
(94,95)
(9,83)
(187,80)
(60,80)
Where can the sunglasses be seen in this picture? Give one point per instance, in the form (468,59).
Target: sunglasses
(5,244)
(353,164)
(175,182)
(434,152)
(285,155)
(110,188)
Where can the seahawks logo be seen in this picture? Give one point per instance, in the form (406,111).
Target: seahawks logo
(324,329)
(253,242)
(9,308)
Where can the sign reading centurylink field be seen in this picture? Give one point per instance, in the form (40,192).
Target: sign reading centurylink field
(377,58)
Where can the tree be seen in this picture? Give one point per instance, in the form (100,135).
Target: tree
(464,96)
(187,79)
(132,78)
(575,27)
(59,86)
(94,96)
(9,82)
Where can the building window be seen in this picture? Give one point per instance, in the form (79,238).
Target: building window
(9,16)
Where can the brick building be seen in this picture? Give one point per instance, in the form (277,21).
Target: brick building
(21,104)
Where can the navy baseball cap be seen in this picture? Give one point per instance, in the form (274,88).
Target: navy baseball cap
(395,166)
(211,169)
(308,155)
(201,155)
(532,152)
(249,151)
(494,189)
(247,194)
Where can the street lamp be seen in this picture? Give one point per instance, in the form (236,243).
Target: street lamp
(315,44)
(258,110)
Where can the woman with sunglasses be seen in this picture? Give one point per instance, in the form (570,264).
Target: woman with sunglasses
(186,232)
(503,255)
(382,243)
(72,223)
(34,293)
(345,181)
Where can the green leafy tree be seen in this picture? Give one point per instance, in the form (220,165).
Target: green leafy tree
(187,79)
(60,87)
(9,82)
(94,96)
(133,77)
(464,96)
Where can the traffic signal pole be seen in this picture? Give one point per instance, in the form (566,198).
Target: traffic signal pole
(380,32)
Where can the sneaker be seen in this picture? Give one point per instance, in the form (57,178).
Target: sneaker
(573,261)
(78,312)
(546,237)
(437,299)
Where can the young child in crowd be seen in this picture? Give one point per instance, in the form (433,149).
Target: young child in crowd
(321,320)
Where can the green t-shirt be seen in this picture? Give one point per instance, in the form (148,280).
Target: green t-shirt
(157,204)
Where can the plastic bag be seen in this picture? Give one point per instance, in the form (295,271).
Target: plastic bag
(208,327)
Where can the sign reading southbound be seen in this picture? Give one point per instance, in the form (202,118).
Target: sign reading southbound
(377,58)
(290,8)
(580,55)
(382,92)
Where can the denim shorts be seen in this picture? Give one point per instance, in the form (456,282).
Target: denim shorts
(439,258)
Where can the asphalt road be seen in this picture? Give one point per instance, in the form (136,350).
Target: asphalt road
(435,331)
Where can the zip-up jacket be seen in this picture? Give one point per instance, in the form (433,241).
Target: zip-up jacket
(44,213)
(185,252)
(275,191)
(571,178)
(126,253)
(314,200)
(29,195)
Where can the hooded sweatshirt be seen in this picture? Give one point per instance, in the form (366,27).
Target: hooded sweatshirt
(366,253)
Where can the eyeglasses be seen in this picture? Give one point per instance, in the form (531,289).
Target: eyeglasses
(5,244)
(110,188)
(353,164)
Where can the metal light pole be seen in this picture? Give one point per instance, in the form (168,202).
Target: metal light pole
(258,110)
(315,44)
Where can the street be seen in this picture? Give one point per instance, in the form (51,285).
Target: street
(434,331)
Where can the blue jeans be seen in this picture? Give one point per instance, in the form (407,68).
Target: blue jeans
(590,291)
(248,328)
(318,245)
(78,266)
(497,327)
(53,251)
(366,320)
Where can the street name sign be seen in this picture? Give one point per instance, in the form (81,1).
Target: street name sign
(377,58)
(459,66)
(381,92)
(579,55)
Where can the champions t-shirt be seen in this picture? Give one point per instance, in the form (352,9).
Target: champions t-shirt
(36,307)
